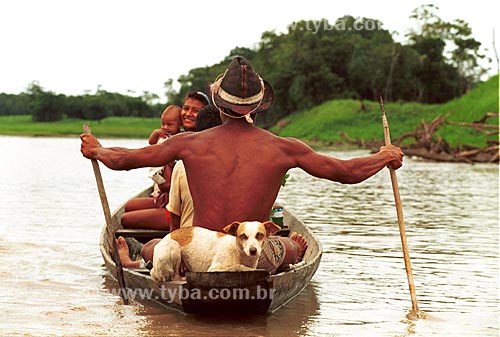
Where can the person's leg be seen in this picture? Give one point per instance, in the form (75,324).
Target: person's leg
(139,203)
(148,249)
(153,218)
(279,252)
(123,252)
(295,248)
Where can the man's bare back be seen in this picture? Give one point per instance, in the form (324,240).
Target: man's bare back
(235,170)
(234,173)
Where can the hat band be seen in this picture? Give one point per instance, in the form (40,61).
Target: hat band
(240,100)
(258,98)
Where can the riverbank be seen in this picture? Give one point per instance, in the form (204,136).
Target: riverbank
(343,120)
(336,122)
(463,130)
(112,127)
(423,143)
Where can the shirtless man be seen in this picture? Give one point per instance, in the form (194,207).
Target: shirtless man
(235,170)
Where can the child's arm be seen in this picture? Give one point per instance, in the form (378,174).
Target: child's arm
(155,135)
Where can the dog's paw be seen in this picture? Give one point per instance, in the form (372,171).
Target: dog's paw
(234,267)
(154,274)
(160,275)
(240,267)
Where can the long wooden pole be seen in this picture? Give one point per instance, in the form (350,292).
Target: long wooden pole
(107,216)
(399,211)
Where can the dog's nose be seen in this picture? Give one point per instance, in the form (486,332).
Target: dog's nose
(253,251)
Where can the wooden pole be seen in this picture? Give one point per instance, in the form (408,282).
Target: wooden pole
(107,216)
(399,211)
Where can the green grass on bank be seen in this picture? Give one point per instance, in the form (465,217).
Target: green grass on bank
(120,127)
(326,122)
(323,123)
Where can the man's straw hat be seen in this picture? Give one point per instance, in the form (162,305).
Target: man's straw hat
(241,89)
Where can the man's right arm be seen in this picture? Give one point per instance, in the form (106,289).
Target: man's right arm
(118,158)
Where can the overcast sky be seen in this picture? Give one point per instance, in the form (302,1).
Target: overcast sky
(70,46)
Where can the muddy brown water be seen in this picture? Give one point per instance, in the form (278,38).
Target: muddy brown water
(52,280)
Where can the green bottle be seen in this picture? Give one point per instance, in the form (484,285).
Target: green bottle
(277,213)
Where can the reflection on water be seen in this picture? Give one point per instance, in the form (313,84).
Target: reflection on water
(52,281)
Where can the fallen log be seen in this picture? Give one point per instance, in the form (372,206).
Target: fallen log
(474,152)
(480,125)
(426,145)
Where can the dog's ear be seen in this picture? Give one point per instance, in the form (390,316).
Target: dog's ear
(232,228)
(271,227)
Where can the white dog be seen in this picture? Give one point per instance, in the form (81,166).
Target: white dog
(205,250)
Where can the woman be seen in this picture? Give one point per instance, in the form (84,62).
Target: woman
(144,212)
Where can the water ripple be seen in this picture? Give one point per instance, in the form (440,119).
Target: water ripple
(52,281)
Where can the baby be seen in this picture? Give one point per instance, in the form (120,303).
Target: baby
(170,125)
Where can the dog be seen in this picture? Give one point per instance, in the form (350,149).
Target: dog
(204,250)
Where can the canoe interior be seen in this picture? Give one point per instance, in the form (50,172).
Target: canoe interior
(235,292)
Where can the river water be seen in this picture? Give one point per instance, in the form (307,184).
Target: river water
(53,283)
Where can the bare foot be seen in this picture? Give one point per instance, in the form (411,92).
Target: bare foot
(301,246)
(123,252)
(178,277)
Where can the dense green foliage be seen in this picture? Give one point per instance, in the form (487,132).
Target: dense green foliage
(14,104)
(325,122)
(354,58)
(46,106)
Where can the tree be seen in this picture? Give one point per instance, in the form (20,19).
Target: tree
(458,48)
(247,53)
(94,108)
(315,61)
(150,98)
(466,54)
(198,79)
(170,92)
(44,106)
(11,104)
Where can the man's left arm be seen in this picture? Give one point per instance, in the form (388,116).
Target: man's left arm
(359,169)
(351,171)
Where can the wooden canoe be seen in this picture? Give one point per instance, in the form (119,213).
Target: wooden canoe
(249,292)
